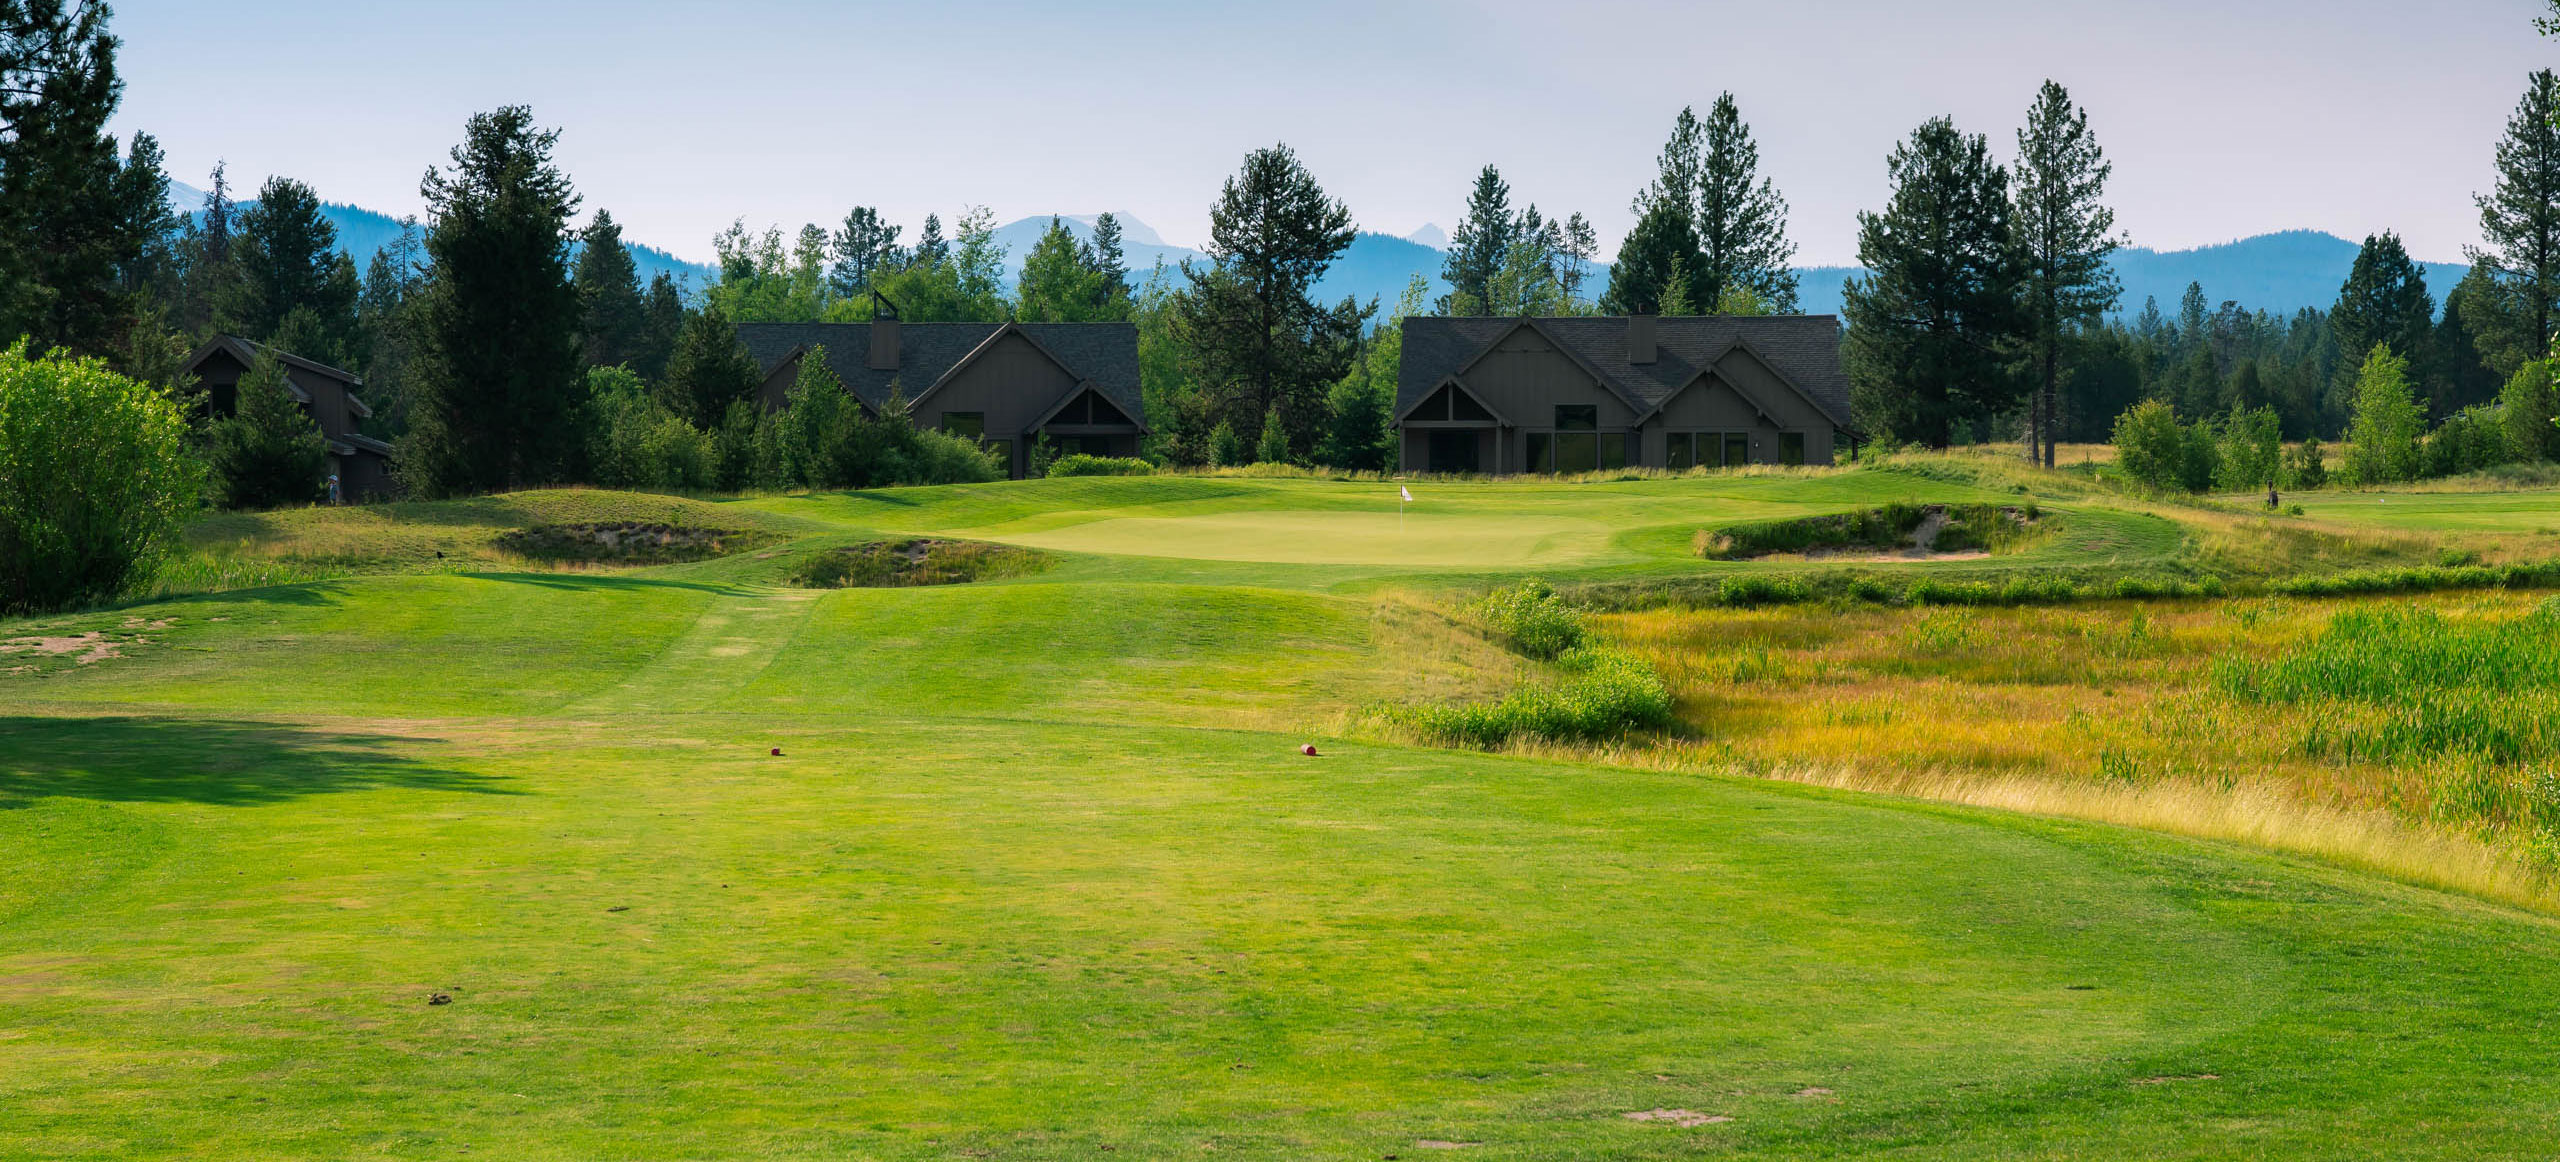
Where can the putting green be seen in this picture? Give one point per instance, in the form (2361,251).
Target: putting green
(1416,539)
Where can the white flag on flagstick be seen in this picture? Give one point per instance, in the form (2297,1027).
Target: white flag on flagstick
(1406,492)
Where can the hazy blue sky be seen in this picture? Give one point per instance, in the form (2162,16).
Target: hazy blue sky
(2224,119)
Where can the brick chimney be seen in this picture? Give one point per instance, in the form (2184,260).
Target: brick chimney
(1640,344)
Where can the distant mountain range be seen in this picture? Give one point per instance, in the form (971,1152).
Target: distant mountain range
(2280,272)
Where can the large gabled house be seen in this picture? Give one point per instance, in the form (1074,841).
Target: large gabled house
(1003,384)
(1516,395)
(361,463)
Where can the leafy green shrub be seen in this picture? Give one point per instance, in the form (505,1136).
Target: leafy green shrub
(921,561)
(95,480)
(2151,447)
(2382,440)
(2471,440)
(1605,694)
(635,442)
(1083,465)
(1752,590)
(2306,467)
(1531,619)
(268,452)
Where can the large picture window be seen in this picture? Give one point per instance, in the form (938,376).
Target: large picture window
(968,425)
(1706,449)
(1791,448)
(1577,438)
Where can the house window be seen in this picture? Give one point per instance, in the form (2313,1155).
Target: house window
(1452,452)
(1581,417)
(1791,448)
(1706,449)
(968,425)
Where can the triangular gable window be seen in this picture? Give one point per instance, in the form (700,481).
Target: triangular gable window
(1449,403)
(1091,408)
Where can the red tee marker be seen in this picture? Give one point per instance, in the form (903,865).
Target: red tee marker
(777,752)
(1308,750)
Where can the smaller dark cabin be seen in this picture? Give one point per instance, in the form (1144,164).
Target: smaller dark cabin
(1560,395)
(361,463)
(1002,384)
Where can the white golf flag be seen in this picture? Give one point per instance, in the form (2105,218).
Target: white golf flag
(1406,492)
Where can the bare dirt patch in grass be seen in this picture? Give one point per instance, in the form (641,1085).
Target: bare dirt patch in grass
(1685,1119)
(83,648)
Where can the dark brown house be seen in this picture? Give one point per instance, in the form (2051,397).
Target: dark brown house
(1005,384)
(361,463)
(1582,394)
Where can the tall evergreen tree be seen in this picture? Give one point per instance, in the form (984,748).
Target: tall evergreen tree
(613,315)
(1741,220)
(385,320)
(1480,244)
(290,261)
(709,370)
(75,216)
(1934,328)
(1110,259)
(1259,342)
(1061,280)
(863,245)
(2520,218)
(1578,245)
(931,250)
(268,451)
(1665,235)
(2062,230)
(663,322)
(2462,377)
(2384,302)
(500,376)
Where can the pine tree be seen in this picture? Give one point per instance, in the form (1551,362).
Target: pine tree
(862,246)
(1675,291)
(2528,405)
(1579,245)
(289,260)
(709,370)
(1934,328)
(268,451)
(1741,220)
(1109,260)
(1060,282)
(2520,219)
(1666,229)
(2062,233)
(62,240)
(664,321)
(611,312)
(931,250)
(2462,377)
(2384,302)
(385,319)
(1259,342)
(1479,245)
(500,378)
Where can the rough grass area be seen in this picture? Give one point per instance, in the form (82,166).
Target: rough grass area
(916,561)
(627,542)
(2429,718)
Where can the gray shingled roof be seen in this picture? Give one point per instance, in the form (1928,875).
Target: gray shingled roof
(1803,348)
(1106,354)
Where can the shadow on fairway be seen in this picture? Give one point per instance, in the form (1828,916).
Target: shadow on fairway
(188,760)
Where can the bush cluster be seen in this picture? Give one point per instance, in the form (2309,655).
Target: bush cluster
(1083,465)
(823,439)
(1606,693)
(95,480)
(1531,619)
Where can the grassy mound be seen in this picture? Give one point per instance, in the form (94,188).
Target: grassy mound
(1921,529)
(916,561)
(627,542)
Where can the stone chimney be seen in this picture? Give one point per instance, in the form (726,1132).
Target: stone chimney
(1640,344)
